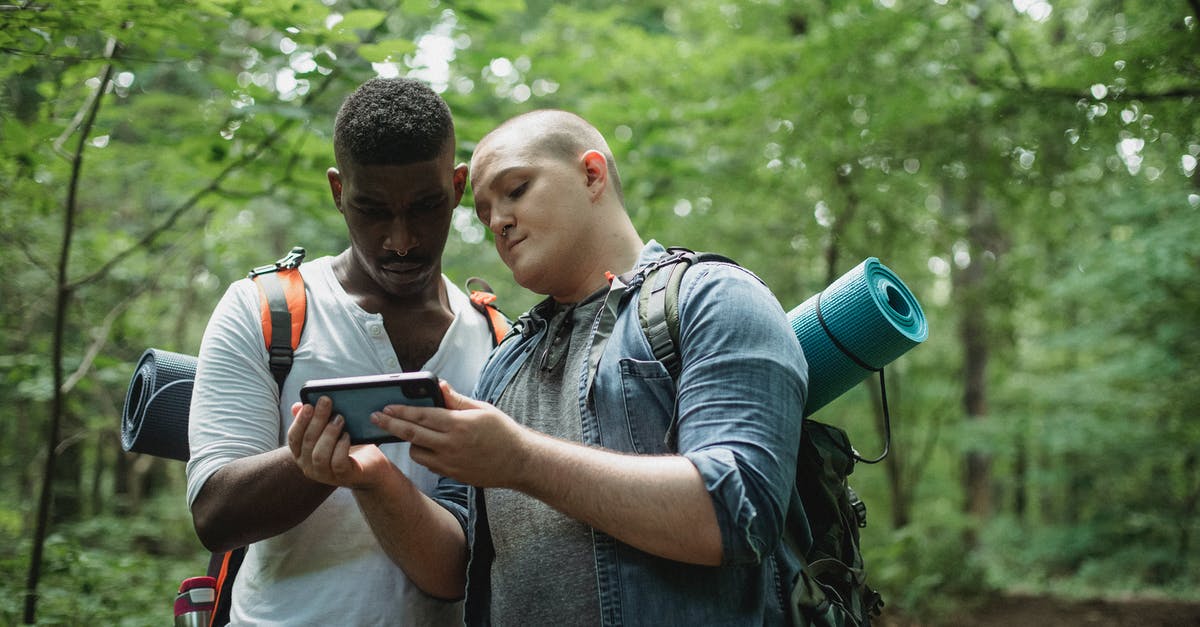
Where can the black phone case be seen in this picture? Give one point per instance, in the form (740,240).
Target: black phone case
(356,398)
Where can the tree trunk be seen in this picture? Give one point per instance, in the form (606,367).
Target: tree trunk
(969,282)
(63,292)
(841,222)
(973,332)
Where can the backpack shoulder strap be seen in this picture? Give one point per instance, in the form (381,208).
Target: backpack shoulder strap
(483,299)
(284,309)
(658,303)
(284,306)
(224,568)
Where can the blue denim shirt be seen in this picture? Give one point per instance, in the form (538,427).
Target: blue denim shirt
(735,414)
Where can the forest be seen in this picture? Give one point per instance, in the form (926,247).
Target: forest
(1027,167)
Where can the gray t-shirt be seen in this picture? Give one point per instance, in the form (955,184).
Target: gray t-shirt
(544,572)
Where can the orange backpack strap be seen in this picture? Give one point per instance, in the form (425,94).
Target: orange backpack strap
(484,300)
(283,303)
(224,567)
(284,309)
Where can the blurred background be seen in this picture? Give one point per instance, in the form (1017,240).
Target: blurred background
(1027,167)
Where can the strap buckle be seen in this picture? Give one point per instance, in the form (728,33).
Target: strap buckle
(290,261)
(280,358)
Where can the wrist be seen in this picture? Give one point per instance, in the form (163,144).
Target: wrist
(527,460)
(380,483)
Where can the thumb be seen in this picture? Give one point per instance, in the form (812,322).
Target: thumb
(454,400)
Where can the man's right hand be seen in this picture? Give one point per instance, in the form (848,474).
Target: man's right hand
(323,452)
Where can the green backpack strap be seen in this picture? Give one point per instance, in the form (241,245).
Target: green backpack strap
(658,303)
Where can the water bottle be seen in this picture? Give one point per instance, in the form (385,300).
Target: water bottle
(194,603)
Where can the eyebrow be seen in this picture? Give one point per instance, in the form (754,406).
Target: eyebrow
(368,198)
(502,173)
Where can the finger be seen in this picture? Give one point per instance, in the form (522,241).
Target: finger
(316,426)
(454,400)
(295,435)
(341,462)
(406,429)
(322,452)
(426,458)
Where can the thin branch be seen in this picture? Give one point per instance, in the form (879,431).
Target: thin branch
(215,184)
(101,336)
(1075,93)
(212,187)
(22,244)
(79,58)
(70,441)
(1013,60)
(1024,84)
(241,194)
(75,123)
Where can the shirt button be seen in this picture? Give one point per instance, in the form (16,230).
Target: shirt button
(392,363)
(376,330)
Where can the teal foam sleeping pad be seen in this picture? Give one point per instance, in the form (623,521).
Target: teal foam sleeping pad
(860,323)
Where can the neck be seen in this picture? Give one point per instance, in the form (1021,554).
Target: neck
(615,249)
(374,299)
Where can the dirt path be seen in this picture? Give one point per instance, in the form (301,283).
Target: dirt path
(1029,611)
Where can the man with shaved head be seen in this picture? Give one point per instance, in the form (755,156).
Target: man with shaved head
(586,485)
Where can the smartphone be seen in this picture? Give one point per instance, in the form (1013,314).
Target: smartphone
(356,398)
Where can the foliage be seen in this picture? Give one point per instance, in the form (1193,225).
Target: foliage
(1029,169)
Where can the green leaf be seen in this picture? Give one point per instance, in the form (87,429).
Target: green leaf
(391,49)
(364,19)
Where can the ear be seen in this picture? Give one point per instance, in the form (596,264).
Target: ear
(460,182)
(595,166)
(335,186)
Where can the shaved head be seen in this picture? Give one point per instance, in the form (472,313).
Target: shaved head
(559,134)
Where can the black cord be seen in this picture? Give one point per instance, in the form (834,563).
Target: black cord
(887,419)
(887,427)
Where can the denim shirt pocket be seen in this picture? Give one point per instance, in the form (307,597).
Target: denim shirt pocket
(649,395)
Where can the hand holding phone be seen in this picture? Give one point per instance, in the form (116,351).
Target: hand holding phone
(356,398)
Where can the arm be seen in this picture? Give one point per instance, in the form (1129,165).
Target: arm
(420,536)
(723,500)
(242,485)
(640,500)
(254,498)
(644,501)
(740,401)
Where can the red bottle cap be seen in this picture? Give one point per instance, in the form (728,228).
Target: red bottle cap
(196,594)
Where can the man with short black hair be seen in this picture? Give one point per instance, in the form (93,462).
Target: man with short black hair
(380,306)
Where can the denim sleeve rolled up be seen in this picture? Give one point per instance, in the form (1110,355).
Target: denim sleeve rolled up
(740,397)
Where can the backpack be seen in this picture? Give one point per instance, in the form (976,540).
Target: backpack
(283,302)
(831,589)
